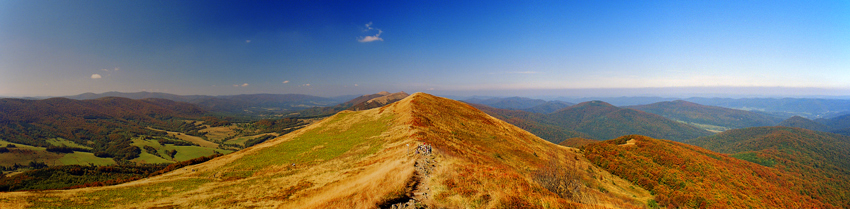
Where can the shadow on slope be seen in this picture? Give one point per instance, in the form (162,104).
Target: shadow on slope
(365,159)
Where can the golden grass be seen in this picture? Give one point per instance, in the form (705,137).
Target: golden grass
(220,132)
(481,162)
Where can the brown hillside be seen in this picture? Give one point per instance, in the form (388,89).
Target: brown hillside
(365,159)
(577,142)
(380,101)
(686,176)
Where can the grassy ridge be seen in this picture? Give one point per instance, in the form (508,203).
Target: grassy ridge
(492,164)
(317,145)
(363,159)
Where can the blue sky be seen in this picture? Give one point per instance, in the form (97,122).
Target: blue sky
(328,48)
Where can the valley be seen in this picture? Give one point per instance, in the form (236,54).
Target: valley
(366,158)
(152,104)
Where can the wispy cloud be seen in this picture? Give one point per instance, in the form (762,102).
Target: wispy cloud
(113,70)
(243,85)
(107,73)
(306,84)
(286,81)
(247,41)
(376,37)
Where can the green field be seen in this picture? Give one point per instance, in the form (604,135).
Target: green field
(124,195)
(65,143)
(242,140)
(149,158)
(84,158)
(183,152)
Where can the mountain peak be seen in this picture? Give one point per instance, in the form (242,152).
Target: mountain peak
(375,100)
(594,103)
(801,122)
(369,158)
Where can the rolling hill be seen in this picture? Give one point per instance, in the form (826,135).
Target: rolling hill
(708,117)
(821,160)
(510,103)
(385,99)
(596,120)
(531,122)
(363,102)
(366,159)
(839,125)
(548,107)
(686,176)
(521,103)
(107,130)
(801,122)
(601,120)
(806,107)
(229,103)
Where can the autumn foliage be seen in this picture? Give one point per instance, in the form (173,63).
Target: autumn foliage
(683,175)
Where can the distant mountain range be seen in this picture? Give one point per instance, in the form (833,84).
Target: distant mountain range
(522,103)
(364,159)
(363,102)
(785,107)
(708,117)
(596,120)
(433,152)
(601,120)
(838,125)
(376,100)
(231,103)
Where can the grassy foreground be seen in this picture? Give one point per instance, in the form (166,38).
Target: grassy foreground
(363,159)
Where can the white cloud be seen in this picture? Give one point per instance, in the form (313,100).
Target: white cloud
(244,84)
(355,84)
(307,84)
(113,70)
(286,81)
(430,89)
(95,76)
(247,41)
(235,85)
(376,37)
(368,26)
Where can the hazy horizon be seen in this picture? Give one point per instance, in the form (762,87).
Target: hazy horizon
(556,94)
(330,48)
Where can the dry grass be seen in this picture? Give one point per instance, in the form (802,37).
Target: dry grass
(219,133)
(360,160)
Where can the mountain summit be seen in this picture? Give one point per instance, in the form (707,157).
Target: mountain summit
(422,151)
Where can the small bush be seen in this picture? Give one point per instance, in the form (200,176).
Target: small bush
(564,182)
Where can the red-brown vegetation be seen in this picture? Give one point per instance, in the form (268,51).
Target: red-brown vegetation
(683,175)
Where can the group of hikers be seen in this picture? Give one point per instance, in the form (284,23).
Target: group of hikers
(424,149)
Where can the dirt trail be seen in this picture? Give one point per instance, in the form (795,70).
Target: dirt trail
(418,192)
